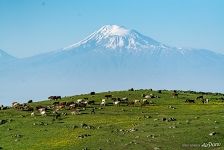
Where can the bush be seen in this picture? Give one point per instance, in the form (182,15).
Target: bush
(30,101)
(92,93)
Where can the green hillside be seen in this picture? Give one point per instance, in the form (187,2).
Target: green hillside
(167,120)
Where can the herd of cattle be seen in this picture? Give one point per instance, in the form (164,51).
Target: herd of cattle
(78,105)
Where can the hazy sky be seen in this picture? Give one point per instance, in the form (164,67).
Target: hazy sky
(29,27)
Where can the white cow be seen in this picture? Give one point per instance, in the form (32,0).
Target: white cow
(14,104)
(137,101)
(103,102)
(32,114)
(80,100)
(43,113)
(117,103)
(147,96)
(41,109)
(144,101)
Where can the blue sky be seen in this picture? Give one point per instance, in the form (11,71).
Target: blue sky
(29,27)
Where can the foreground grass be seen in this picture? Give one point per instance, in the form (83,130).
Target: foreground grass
(119,127)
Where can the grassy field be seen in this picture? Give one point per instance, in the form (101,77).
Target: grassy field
(120,127)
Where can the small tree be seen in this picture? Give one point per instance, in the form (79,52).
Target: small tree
(131,89)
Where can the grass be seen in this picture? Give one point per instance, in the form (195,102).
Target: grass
(119,127)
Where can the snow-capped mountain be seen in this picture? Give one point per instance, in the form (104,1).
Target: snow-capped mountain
(111,58)
(118,46)
(116,37)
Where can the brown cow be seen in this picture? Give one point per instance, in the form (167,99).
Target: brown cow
(108,96)
(200,97)
(190,101)
(54,97)
(175,95)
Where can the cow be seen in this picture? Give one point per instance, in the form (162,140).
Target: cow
(137,102)
(3,107)
(103,102)
(205,101)
(175,95)
(27,108)
(145,102)
(59,107)
(43,113)
(123,100)
(32,114)
(117,103)
(56,103)
(54,97)
(80,100)
(147,96)
(90,102)
(150,96)
(62,104)
(199,97)
(42,109)
(73,106)
(14,104)
(108,96)
(39,106)
(69,103)
(142,102)
(190,101)
(171,107)
(51,97)
(18,106)
(83,105)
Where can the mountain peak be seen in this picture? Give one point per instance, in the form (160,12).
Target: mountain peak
(112,30)
(116,38)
